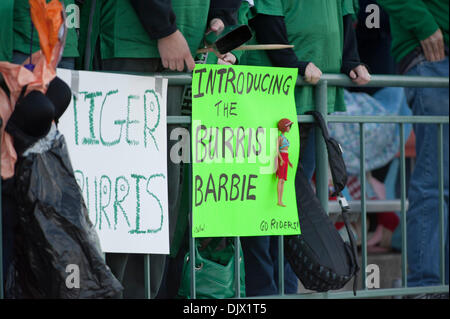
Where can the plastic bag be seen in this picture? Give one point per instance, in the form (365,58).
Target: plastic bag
(57,253)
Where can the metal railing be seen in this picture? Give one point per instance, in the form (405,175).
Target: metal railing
(322,184)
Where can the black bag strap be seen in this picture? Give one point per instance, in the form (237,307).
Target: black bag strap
(341,199)
(321,122)
(344,211)
(336,162)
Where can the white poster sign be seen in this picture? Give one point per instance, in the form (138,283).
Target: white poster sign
(115,129)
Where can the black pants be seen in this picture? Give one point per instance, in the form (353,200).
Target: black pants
(129,268)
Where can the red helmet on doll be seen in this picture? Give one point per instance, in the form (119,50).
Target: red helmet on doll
(283,124)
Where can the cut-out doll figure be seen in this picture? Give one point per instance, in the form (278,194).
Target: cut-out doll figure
(284,126)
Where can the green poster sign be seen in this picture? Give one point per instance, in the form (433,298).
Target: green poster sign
(235,112)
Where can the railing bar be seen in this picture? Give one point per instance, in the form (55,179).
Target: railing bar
(369,293)
(384,119)
(404,261)
(341,80)
(363,204)
(191,238)
(147,276)
(183,119)
(441,201)
(336,80)
(280,266)
(237,267)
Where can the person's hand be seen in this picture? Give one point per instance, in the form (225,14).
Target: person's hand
(227,59)
(216,25)
(433,47)
(312,73)
(281,162)
(360,75)
(175,52)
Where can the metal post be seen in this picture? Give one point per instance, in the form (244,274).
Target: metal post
(321,149)
(191,239)
(362,140)
(281,265)
(403,206)
(147,277)
(237,267)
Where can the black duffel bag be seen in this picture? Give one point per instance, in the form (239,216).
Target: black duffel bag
(320,258)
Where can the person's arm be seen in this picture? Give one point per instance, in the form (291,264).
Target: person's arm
(158,19)
(272,30)
(156,16)
(350,55)
(224,10)
(351,63)
(414,16)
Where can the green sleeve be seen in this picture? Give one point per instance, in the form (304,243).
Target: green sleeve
(269,7)
(348,7)
(6,25)
(413,15)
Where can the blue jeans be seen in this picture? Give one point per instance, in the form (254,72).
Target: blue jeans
(423,195)
(65,63)
(261,267)
(308,154)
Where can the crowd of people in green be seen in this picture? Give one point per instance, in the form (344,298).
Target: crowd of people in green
(150,36)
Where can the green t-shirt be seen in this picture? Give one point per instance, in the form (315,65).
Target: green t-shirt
(22,31)
(413,21)
(316,30)
(123,36)
(6,25)
(269,7)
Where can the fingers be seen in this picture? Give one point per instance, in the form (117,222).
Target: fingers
(179,64)
(428,51)
(312,74)
(360,75)
(216,25)
(190,63)
(441,48)
(227,59)
(165,63)
(433,47)
(175,53)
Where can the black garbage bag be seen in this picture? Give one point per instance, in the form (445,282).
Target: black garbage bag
(57,253)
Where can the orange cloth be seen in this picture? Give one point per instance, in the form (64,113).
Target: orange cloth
(48,19)
(16,77)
